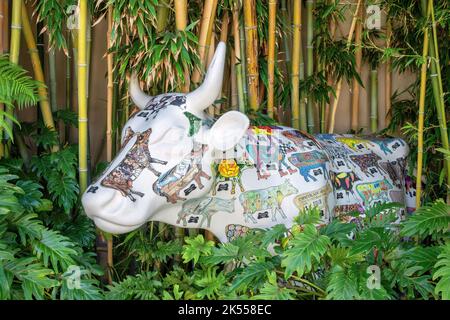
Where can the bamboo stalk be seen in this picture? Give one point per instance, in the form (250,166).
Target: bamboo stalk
(68,86)
(438,93)
(310,60)
(234,90)
(181,14)
(82,99)
(3,49)
(339,84)
(52,68)
(162,16)
(16,27)
(109,116)
(243,63)
(358,64)
(238,59)
(271,57)
(287,53)
(374,99)
(251,41)
(181,24)
(298,115)
(388,75)
(208,16)
(423,82)
(109,96)
(46,109)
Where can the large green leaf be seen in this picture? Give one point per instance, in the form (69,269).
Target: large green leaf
(305,249)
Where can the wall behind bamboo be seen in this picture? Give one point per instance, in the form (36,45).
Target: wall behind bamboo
(98,87)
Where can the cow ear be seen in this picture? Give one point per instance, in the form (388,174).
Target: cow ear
(228,130)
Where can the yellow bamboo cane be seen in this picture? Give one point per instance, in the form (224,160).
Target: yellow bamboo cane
(297,117)
(181,24)
(358,63)
(271,57)
(82,99)
(16,27)
(204,39)
(238,57)
(44,103)
(109,116)
(251,46)
(339,84)
(423,82)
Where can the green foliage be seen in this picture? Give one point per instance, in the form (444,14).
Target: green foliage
(16,87)
(428,220)
(306,249)
(35,260)
(59,170)
(336,261)
(443,273)
(196,247)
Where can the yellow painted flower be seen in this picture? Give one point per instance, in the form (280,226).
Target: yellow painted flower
(228,168)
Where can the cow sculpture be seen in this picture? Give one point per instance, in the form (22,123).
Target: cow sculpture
(179,166)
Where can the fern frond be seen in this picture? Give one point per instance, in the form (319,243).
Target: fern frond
(16,86)
(443,273)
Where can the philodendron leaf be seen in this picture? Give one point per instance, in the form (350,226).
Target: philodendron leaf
(305,249)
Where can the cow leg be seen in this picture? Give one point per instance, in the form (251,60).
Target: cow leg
(274,214)
(214,186)
(156,173)
(140,194)
(240,185)
(153,160)
(233,186)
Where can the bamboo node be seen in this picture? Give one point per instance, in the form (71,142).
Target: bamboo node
(82,170)
(82,65)
(82,120)
(433,75)
(16,26)
(250,28)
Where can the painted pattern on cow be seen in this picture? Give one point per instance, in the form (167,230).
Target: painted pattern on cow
(136,160)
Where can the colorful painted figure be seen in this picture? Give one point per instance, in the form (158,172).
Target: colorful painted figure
(396,170)
(204,207)
(176,179)
(136,160)
(266,199)
(367,161)
(344,180)
(373,192)
(355,143)
(306,162)
(229,170)
(316,198)
(234,231)
(268,154)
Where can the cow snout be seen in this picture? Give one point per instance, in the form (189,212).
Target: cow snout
(99,204)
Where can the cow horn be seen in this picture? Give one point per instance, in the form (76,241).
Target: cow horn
(139,98)
(205,95)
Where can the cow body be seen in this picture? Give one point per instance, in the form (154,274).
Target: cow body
(229,177)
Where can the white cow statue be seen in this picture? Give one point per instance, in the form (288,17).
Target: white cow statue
(179,166)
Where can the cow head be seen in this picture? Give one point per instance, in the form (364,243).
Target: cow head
(164,145)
